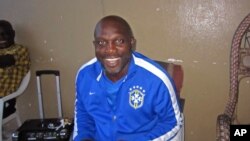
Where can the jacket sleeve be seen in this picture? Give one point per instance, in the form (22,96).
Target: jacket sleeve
(168,110)
(84,126)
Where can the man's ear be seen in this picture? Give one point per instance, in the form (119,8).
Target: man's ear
(133,44)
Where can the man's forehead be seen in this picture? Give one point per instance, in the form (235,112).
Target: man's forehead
(2,29)
(5,25)
(110,28)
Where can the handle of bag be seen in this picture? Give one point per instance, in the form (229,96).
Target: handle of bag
(42,72)
(39,73)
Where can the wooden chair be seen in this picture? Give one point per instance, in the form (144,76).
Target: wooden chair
(177,74)
(239,69)
(15,94)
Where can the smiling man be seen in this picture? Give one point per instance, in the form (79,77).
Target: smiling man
(121,95)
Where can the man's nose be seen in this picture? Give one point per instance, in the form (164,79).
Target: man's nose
(111,47)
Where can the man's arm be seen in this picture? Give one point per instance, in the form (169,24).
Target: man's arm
(84,125)
(16,65)
(7,60)
(22,58)
(169,115)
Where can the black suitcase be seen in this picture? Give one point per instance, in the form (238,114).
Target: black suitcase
(46,129)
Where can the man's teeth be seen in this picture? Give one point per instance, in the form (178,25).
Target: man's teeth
(112,60)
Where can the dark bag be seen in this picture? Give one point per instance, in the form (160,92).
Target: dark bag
(46,129)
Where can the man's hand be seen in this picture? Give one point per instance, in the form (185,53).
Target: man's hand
(7,60)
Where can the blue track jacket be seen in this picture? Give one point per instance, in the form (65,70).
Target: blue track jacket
(146,104)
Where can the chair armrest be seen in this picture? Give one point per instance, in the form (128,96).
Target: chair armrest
(223,127)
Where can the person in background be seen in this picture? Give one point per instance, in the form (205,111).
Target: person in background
(122,95)
(14,64)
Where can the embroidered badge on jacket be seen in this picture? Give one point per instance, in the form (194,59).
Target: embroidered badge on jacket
(136,97)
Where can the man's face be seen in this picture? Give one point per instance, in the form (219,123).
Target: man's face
(6,37)
(113,48)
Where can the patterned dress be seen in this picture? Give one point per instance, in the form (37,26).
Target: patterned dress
(11,76)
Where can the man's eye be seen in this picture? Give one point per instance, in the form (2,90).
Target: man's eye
(101,43)
(119,41)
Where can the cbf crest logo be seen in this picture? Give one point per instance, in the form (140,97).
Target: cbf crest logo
(136,97)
